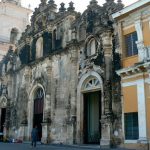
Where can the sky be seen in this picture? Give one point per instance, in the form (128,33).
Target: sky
(80,5)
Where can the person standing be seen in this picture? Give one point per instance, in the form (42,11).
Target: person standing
(34,136)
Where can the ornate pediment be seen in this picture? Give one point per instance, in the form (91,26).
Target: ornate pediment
(96,18)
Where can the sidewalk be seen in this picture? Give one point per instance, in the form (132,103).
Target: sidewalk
(84,146)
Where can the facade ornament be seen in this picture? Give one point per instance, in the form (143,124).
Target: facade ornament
(71,7)
(93,3)
(43,2)
(62,8)
(120,5)
(24,118)
(51,2)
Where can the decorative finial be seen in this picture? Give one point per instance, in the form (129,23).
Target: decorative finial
(93,2)
(43,1)
(109,1)
(71,8)
(51,2)
(62,8)
(120,5)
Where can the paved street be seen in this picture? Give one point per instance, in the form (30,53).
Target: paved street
(12,146)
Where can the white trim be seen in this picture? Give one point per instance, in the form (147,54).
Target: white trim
(80,106)
(130,8)
(142,110)
(132,76)
(132,83)
(131,141)
(138,27)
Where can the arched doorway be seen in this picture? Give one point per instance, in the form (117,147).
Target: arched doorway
(89,108)
(92,110)
(38,111)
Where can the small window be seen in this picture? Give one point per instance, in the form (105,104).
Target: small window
(131,126)
(91,47)
(130,43)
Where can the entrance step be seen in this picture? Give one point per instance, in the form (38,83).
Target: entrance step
(96,147)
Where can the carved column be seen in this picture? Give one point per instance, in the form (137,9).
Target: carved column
(73,84)
(24,124)
(140,43)
(107,47)
(106,118)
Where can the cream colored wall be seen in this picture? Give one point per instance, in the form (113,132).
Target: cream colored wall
(128,26)
(146,33)
(130,103)
(129,61)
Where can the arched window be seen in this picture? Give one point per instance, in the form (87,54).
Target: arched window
(91,83)
(13,35)
(39,48)
(39,94)
(91,47)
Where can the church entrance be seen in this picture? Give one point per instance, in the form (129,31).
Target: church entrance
(92,116)
(2,121)
(38,111)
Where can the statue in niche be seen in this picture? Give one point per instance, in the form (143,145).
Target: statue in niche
(39,48)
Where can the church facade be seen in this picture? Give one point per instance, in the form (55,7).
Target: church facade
(62,78)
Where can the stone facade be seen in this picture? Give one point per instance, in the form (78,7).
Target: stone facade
(66,56)
(14,18)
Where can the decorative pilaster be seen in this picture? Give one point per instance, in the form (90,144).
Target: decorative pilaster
(48,107)
(107,47)
(71,109)
(142,112)
(106,120)
(140,44)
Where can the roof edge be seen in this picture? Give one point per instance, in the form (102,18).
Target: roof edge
(130,8)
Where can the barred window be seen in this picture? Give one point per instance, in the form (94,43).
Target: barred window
(131,126)
(130,43)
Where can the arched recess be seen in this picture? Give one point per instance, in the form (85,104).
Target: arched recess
(39,48)
(90,85)
(91,45)
(36,109)
(3,107)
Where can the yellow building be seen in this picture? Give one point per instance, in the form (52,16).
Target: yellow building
(133,29)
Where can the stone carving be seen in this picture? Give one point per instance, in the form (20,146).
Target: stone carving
(24,118)
(62,8)
(3,103)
